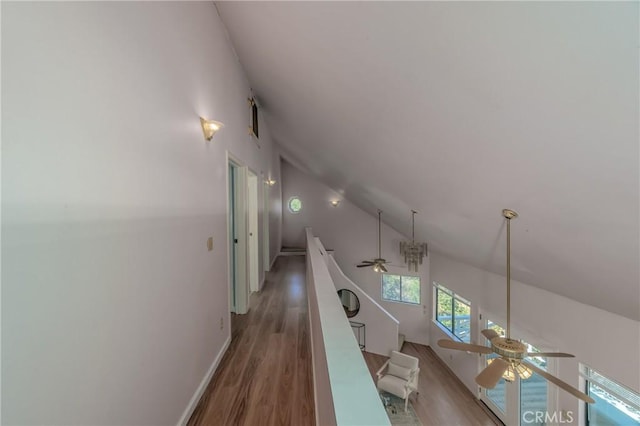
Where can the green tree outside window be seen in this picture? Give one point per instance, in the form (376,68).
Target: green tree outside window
(400,288)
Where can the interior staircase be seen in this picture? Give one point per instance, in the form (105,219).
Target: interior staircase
(400,341)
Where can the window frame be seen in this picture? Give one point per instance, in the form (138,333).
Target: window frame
(291,199)
(586,373)
(383,298)
(454,298)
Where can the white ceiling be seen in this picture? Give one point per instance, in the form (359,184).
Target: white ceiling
(459,110)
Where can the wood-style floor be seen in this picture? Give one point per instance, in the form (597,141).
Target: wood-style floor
(442,398)
(265,377)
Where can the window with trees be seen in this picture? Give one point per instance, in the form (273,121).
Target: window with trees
(453,312)
(615,403)
(400,288)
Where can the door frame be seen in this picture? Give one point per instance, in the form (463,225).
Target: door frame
(266,262)
(237,278)
(253,229)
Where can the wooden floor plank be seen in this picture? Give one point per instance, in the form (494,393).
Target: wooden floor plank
(265,376)
(442,398)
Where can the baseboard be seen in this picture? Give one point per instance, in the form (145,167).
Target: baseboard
(273,262)
(450,371)
(203,385)
(264,276)
(292,253)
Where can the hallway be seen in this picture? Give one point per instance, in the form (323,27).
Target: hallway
(265,376)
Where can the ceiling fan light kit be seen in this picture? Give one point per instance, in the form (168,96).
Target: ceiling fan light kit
(512,354)
(378,263)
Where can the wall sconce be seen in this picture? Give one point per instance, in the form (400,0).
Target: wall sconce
(270,182)
(335,203)
(210,127)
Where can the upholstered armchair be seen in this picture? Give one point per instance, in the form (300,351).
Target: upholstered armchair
(401,377)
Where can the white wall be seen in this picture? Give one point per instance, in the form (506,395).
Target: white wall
(275,208)
(383,327)
(352,234)
(605,341)
(111,303)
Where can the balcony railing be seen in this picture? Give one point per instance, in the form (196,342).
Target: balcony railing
(343,388)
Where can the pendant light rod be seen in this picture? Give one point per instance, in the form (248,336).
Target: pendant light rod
(413,226)
(508,279)
(379,237)
(509,214)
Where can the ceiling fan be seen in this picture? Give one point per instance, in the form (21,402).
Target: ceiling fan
(377,263)
(512,354)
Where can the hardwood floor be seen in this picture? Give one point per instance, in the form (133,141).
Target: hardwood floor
(442,400)
(265,377)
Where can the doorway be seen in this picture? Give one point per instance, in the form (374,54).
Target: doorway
(253,244)
(514,402)
(237,231)
(266,262)
(243,246)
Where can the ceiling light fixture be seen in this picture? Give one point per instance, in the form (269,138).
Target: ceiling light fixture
(335,203)
(413,252)
(511,360)
(377,263)
(270,182)
(210,127)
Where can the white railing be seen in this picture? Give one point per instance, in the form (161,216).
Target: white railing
(345,393)
(381,327)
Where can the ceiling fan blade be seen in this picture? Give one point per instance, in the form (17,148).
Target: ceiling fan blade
(369,262)
(551,354)
(490,376)
(364,265)
(382,268)
(459,346)
(562,385)
(489,334)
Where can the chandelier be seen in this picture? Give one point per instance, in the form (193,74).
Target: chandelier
(413,252)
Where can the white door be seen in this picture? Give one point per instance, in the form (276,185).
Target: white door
(238,237)
(497,398)
(233,235)
(253,244)
(522,401)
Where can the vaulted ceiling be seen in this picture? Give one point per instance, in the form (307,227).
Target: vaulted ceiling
(461,109)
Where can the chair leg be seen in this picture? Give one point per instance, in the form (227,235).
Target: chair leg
(406,402)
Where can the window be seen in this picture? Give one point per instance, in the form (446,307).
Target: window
(615,404)
(453,313)
(399,288)
(295,205)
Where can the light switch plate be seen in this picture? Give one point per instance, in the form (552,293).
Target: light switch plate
(210,243)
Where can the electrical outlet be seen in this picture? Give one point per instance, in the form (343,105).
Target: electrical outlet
(221,323)
(210,243)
